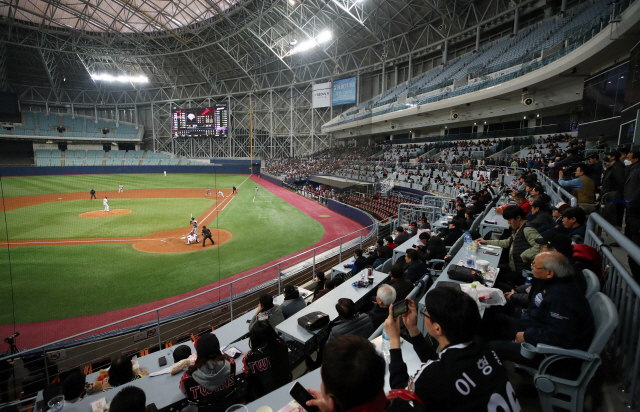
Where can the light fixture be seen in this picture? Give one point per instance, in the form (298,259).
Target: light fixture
(123,79)
(474,123)
(485,122)
(524,117)
(537,115)
(323,37)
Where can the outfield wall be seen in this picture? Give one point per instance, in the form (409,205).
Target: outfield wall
(271,179)
(231,168)
(358,215)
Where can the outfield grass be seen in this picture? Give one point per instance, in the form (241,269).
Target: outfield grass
(61,220)
(58,282)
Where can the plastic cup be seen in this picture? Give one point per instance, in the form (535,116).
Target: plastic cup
(237,408)
(56,403)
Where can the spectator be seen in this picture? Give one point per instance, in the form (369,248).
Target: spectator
(574,220)
(401,285)
(320,279)
(478,205)
(121,372)
(329,285)
(402,236)
(521,244)
(266,365)
(353,379)
(522,202)
(349,322)
(632,184)
(613,188)
(558,314)
(461,210)
(424,224)
(211,379)
(414,229)
(180,353)
(454,233)
(389,242)
(582,186)
(382,255)
(596,169)
(73,387)
(385,296)
(557,215)
(360,263)
(293,302)
(633,228)
(468,218)
(542,219)
(416,268)
(572,157)
(267,311)
(129,399)
(451,318)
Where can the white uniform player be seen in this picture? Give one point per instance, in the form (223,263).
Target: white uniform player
(194,224)
(207,193)
(256,191)
(120,189)
(105,202)
(192,238)
(220,193)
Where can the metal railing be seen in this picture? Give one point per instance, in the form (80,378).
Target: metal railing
(410,212)
(557,193)
(624,291)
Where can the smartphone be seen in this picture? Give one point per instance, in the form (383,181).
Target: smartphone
(162,361)
(301,395)
(491,253)
(400,308)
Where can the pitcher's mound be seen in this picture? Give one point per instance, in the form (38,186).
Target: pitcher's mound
(175,241)
(102,213)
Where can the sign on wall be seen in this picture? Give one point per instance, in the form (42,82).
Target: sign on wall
(321,95)
(344,91)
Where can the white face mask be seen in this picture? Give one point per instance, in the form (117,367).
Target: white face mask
(627,162)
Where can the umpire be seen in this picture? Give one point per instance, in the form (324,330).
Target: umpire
(93,194)
(206,234)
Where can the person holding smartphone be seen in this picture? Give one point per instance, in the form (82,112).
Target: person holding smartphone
(466,375)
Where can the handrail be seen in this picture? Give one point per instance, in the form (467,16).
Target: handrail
(556,189)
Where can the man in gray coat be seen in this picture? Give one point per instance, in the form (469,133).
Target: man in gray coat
(349,323)
(293,302)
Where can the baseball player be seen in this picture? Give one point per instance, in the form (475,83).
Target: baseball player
(105,202)
(207,193)
(235,190)
(220,193)
(194,224)
(256,191)
(192,238)
(120,189)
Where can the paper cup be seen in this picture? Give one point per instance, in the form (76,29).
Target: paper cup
(482,265)
(264,409)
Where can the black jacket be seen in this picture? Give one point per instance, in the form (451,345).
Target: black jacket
(613,180)
(206,232)
(463,377)
(402,286)
(452,236)
(558,315)
(378,315)
(261,375)
(401,238)
(415,271)
(478,207)
(358,325)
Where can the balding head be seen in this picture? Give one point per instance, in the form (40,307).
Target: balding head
(549,264)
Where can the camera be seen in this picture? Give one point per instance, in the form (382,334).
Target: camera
(11,339)
(570,170)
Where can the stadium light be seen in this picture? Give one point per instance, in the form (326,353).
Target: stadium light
(122,79)
(323,37)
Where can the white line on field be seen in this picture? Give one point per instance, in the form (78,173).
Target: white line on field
(224,201)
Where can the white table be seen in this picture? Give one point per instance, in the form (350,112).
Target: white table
(402,249)
(491,222)
(280,397)
(292,331)
(339,268)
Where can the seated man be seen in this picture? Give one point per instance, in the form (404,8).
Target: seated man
(353,380)
(401,285)
(293,302)
(521,201)
(521,244)
(402,236)
(558,313)
(466,375)
(360,263)
(329,285)
(267,311)
(573,220)
(454,233)
(349,322)
(385,296)
(478,205)
(416,268)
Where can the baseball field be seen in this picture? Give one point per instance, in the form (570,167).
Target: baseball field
(68,258)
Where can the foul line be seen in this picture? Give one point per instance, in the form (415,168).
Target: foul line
(216,208)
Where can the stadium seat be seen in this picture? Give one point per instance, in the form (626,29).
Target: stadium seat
(130,353)
(32,384)
(183,338)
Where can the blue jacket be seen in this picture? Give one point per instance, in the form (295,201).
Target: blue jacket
(558,314)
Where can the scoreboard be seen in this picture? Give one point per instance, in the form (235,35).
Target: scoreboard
(210,121)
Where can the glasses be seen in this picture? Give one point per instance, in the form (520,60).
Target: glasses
(423,312)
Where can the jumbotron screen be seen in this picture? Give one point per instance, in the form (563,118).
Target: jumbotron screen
(210,121)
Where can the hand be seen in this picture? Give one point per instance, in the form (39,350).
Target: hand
(144,373)
(259,308)
(410,319)
(318,401)
(482,241)
(519,337)
(392,327)
(508,295)
(345,265)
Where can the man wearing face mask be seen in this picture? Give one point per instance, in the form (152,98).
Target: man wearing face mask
(582,187)
(632,183)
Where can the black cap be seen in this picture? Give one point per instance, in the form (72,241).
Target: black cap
(539,203)
(558,241)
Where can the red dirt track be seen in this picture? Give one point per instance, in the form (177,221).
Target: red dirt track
(35,334)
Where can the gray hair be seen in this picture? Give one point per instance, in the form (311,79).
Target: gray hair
(387,294)
(557,263)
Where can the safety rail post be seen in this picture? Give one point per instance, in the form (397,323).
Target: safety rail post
(279,280)
(46,368)
(361,238)
(340,258)
(231,299)
(158,323)
(314,264)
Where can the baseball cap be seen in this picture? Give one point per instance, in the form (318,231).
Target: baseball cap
(558,241)
(539,203)
(413,224)
(557,206)
(289,288)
